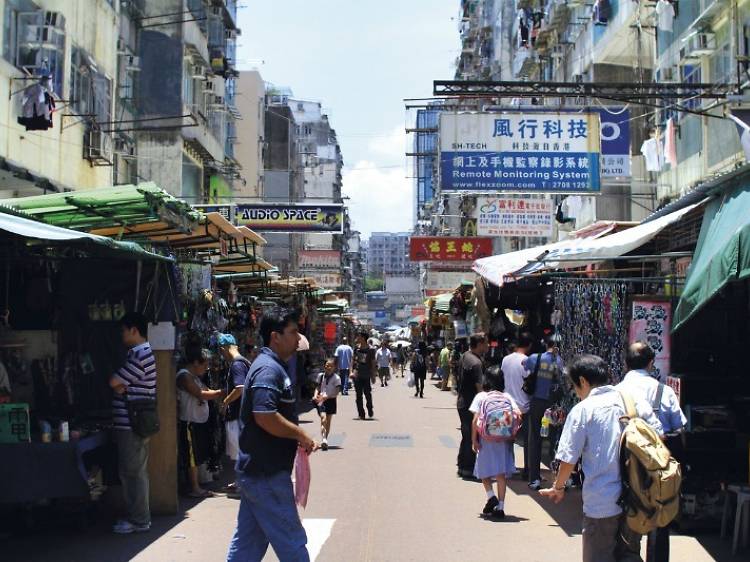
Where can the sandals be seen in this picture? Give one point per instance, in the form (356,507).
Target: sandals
(201,494)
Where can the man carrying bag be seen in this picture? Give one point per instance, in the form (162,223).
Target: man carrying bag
(135,419)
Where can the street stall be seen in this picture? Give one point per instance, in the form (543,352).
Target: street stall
(63,293)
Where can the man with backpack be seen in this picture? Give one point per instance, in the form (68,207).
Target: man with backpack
(545,370)
(639,382)
(593,432)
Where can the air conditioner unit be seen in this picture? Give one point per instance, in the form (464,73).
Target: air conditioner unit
(217,100)
(668,74)
(98,147)
(208,86)
(699,44)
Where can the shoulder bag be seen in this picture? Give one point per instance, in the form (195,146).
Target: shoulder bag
(529,383)
(144,416)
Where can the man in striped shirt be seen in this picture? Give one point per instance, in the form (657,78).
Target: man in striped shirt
(136,379)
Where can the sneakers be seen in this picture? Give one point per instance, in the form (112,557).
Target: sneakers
(324,444)
(490,506)
(124,527)
(535,485)
(497,514)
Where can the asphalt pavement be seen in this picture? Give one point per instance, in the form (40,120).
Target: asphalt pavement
(386,490)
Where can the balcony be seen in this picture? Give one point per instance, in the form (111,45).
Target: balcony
(709,11)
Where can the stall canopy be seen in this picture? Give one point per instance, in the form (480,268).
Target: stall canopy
(55,236)
(443,302)
(573,252)
(722,254)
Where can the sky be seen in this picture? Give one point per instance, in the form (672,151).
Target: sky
(360,59)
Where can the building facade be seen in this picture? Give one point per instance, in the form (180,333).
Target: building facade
(388,253)
(251,103)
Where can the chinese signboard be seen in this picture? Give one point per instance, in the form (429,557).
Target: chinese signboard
(438,282)
(428,248)
(509,216)
(319,258)
(292,218)
(651,323)
(520,152)
(225,210)
(615,135)
(326,279)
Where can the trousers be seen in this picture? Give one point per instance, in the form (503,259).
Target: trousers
(534,441)
(466,455)
(132,467)
(610,540)
(268,515)
(363,387)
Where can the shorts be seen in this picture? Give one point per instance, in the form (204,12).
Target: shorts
(233,439)
(328,407)
(193,445)
(384,372)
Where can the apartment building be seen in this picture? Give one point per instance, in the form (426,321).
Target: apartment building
(388,253)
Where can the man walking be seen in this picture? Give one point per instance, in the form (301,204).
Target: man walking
(548,375)
(515,375)
(135,380)
(383,358)
(470,373)
(444,365)
(592,433)
(639,383)
(343,355)
(234,386)
(364,375)
(269,438)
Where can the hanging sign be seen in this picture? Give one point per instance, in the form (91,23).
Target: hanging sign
(615,135)
(292,217)
(436,248)
(514,216)
(319,259)
(652,321)
(534,152)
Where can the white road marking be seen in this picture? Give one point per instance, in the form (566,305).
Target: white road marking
(318,531)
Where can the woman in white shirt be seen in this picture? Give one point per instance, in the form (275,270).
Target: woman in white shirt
(192,398)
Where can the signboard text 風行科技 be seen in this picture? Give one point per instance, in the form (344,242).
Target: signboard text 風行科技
(520,152)
(292,217)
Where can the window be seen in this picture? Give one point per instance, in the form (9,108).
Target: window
(34,41)
(90,90)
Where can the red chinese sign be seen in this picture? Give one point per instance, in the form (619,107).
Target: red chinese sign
(429,248)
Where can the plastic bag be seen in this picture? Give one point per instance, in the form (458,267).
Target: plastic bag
(301,477)
(410,380)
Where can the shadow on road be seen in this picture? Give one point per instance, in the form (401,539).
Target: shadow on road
(567,514)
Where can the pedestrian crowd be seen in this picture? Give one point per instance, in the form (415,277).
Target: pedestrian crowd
(595,436)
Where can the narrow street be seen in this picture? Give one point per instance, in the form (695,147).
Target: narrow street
(386,491)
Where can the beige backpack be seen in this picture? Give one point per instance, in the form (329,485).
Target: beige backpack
(651,477)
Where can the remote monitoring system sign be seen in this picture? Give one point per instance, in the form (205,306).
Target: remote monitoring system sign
(533,152)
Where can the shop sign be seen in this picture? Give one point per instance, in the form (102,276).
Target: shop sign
(319,258)
(514,216)
(428,248)
(292,218)
(327,280)
(615,135)
(652,321)
(438,282)
(533,152)
(418,311)
(226,211)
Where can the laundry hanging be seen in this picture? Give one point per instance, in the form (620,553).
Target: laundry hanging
(654,155)
(602,12)
(664,16)
(741,117)
(670,143)
(37,104)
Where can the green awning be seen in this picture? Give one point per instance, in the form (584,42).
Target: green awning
(54,236)
(123,205)
(443,302)
(722,254)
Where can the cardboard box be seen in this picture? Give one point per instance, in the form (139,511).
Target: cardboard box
(15,425)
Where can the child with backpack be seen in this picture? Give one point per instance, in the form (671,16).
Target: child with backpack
(497,419)
(329,386)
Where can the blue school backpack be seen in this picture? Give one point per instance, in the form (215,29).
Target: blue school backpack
(498,419)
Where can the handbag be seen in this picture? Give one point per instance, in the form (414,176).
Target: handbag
(144,416)
(529,383)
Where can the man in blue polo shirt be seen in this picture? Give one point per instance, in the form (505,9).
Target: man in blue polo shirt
(269,437)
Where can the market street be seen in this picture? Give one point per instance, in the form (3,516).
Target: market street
(386,491)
